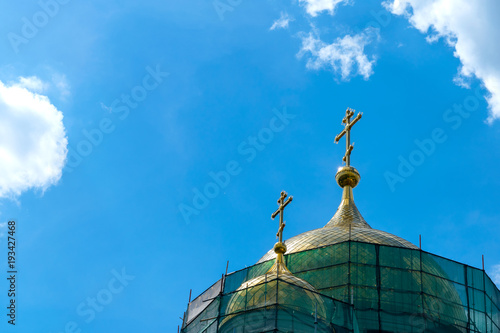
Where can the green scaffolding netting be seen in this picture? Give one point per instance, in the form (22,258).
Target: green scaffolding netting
(358,287)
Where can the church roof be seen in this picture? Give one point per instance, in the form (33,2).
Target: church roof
(338,285)
(261,291)
(346,224)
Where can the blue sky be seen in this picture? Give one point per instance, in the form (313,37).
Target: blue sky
(113,115)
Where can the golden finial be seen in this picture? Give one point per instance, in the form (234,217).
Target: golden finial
(347,175)
(280,247)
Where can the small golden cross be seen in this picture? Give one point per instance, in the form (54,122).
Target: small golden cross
(283,204)
(347,130)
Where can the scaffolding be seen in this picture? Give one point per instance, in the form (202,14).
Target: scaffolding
(358,287)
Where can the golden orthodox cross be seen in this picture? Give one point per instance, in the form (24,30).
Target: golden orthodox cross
(347,131)
(283,204)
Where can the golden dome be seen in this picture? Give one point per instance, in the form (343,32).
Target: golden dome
(263,291)
(346,224)
(276,287)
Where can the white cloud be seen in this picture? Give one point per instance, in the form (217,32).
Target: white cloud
(495,274)
(282,22)
(472,28)
(58,84)
(2,226)
(345,56)
(33,143)
(313,7)
(32,83)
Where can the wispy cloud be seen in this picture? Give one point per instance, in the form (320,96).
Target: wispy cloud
(345,56)
(58,84)
(282,22)
(3,226)
(471,28)
(61,83)
(33,143)
(314,7)
(33,84)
